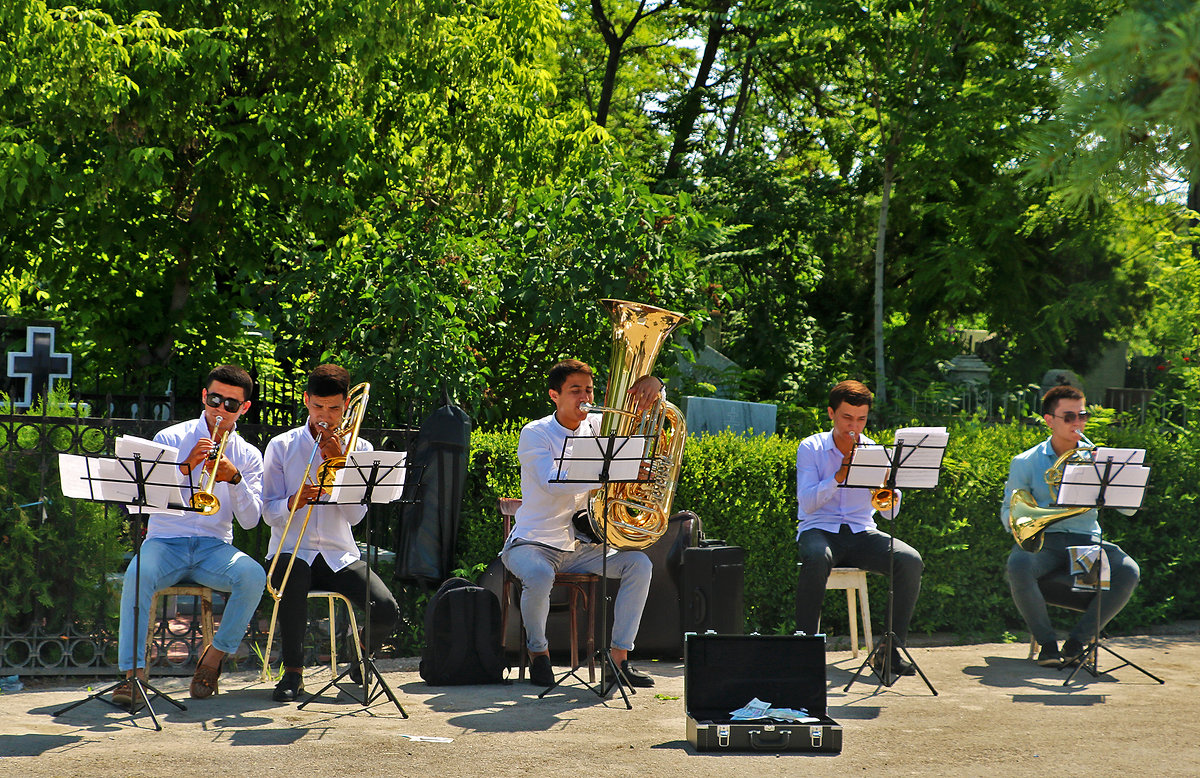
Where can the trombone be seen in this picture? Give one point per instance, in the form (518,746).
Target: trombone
(204,500)
(356,405)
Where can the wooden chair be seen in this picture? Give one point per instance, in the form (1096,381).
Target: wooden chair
(579,586)
(854,581)
(184,589)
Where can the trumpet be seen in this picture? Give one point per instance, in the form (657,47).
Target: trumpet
(356,404)
(883,499)
(204,500)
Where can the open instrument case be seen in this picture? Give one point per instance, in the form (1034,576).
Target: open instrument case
(722,673)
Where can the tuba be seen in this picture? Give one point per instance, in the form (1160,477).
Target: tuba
(636,513)
(1027,519)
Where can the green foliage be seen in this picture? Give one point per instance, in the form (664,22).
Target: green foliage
(55,553)
(743,488)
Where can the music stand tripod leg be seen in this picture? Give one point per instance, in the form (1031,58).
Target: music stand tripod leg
(140,687)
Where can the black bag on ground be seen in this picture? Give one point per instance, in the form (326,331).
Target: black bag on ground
(462,636)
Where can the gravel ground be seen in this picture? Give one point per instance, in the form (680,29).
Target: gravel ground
(996,714)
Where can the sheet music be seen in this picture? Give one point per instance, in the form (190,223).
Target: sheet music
(1130,456)
(586,455)
(1081,485)
(350,482)
(164,482)
(870,466)
(88,478)
(109,479)
(920,460)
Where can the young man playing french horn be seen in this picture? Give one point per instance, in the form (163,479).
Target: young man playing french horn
(1064,410)
(327,555)
(543,541)
(196,546)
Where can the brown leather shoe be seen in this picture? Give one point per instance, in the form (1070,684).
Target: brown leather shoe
(128,696)
(204,681)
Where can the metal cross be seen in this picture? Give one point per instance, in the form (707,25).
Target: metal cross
(38,364)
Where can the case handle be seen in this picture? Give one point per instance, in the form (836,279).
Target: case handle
(777,743)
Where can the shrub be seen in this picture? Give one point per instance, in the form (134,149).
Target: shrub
(744,490)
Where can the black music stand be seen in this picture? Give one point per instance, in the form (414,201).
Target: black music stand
(1115,478)
(612,459)
(911,463)
(388,478)
(136,472)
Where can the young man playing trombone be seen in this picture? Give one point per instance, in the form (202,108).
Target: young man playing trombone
(226,474)
(1064,410)
(325,556)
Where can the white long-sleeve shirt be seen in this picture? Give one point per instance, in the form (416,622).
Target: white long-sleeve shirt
(546,508)
(242,501)
(328,533)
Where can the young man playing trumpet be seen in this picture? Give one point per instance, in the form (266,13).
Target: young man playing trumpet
(543,541)
(1064,410)
(837,526)
(326,555)
(198,547)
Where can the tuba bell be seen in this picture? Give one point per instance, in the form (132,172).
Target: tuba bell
(1027,519)
(634,515)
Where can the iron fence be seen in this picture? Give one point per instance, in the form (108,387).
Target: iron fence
(70,626)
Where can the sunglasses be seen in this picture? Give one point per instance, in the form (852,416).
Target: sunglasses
(215,400)
(1070,416)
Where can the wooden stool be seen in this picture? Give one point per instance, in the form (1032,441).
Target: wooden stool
(579,586)
(854,581)
(206,614)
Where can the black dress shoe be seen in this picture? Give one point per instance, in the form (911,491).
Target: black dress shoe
(541,673)
(1073,652)
(635,677)
(290,686)
(900,665)
(1049,656)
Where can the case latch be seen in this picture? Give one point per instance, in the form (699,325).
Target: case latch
(723,735)
(815,734)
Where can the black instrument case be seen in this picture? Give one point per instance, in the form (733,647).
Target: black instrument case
(722,673)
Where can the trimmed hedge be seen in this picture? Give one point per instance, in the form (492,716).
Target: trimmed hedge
(744,490)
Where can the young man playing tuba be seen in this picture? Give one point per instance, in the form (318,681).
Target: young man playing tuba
(543,541)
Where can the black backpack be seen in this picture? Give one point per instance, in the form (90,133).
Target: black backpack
(462,636)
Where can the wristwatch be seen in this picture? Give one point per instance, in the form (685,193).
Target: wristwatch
(237,478)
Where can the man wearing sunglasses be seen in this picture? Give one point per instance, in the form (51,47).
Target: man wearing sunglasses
(1064,409)
(191,546)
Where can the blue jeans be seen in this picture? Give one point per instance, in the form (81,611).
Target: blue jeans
(821,551)
(206,561)
(537,565)
(1025,568)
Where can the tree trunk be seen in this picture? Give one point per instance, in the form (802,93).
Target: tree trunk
(694,101)
(880,242)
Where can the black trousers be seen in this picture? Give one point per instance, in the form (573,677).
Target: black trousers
(354,581)
(821,551)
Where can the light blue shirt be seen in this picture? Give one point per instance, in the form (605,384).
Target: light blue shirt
(1028,471)
(823,502)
